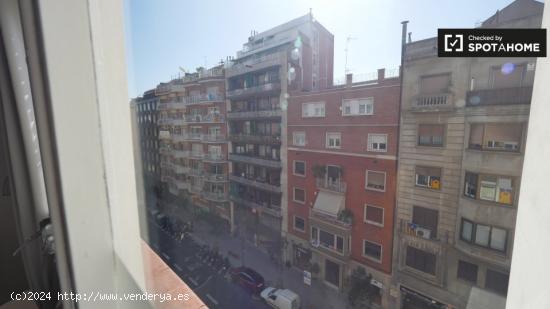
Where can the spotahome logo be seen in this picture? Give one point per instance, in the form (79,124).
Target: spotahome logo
(491,42)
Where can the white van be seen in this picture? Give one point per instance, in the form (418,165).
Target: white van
(281,299)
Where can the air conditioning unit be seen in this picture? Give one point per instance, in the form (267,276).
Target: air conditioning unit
(511,145)
(314,243)
(422,232)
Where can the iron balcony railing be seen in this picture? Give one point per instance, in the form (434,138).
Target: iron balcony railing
(255,160)
(208,118)
(213,138)
(334,220)
(204,98)
(216,157)
(260,184)
(255,114)
(251,203)
(178,153)
(274,85)
(500,96)
(335,186)
(215,196)
(254,64)
(213,177)
(253,138)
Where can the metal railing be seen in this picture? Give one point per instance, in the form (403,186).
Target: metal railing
(253,138)
(270,86)
(319,215)
(213,138)
(256,183)
(255,160)
(255,114)
(500,96)
(335,186)
(214,157)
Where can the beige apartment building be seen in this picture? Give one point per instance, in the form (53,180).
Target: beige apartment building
(462,137)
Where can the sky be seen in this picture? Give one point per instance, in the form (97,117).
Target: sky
(164,35)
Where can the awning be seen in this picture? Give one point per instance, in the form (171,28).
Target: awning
(482,299)
(329,203)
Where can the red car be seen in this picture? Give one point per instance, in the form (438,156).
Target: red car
(248,278)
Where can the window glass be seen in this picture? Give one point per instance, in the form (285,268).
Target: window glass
(430,135)
(376,180)
(497,281)
(467,229)
(482,235)
(372,250)
(374,215)
(467,271)
(299,168)
(498,239)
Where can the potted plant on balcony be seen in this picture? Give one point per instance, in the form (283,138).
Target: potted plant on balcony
(345,215)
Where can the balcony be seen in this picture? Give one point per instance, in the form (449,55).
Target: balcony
(502,96)
(194,172)
(254,64)
(215,196)
(322,217)
(180,169)
(213,177)
(193,136)
(334,186)
(204,99)
(440,102)
(213,73)
(179,137)
(179,153)
(415,231)
(274,210)
(208,118)
(165,88)
(256,139)
(164,121)
(197,189)
(276,113)
(214,157)
(266,88)
(213,138)
(170,105)
(165,150)
(196,155)
(262,185)
(254,160)
(182,185)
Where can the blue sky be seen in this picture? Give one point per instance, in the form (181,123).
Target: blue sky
(163,35)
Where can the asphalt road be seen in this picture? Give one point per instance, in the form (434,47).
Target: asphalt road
(214,290)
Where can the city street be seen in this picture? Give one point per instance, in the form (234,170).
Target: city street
(214,289)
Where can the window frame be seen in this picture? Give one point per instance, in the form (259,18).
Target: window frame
(379,224)
(327,144)
(416,184)
(294,224)
(432,145)
(489,237)
(313,103)
(294,168)
(379,260)
(294,134)
(367,181)
(477,197)
(294,195)
(370,102)
(370,143)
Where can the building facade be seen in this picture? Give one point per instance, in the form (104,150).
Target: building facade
(341,180)
(193,137)
(294,55)
(462,137)
(146,114)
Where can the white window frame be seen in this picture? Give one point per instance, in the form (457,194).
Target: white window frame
(370,143)
(294,224)
(294,168)
(294,137)
(354,105)
(367,180)
(370,257)
(327,140)
(305,109)
(294,195)
(373,222)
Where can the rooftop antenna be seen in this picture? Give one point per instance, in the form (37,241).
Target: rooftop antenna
(348,40)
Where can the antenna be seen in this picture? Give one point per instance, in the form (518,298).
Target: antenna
(348,40)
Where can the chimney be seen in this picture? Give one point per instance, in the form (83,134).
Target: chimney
(349,79)
(381,75)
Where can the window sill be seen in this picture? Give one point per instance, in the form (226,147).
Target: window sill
(489,203)
(375,190)
(374,223)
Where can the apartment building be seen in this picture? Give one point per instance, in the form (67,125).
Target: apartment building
(342,177)
(193,138)
(144,110)
(462,137)
(295,55)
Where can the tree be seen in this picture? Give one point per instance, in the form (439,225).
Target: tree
(361,292)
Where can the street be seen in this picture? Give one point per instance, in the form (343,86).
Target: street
(214,289)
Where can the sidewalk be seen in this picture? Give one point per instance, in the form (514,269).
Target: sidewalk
(241,252)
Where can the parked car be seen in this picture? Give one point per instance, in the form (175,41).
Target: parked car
(281,299)
(248,278)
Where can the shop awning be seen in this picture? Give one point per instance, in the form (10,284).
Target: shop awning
(329,203)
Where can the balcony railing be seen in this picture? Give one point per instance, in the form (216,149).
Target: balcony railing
(208,118)
(197,189)
(255,183)
(335,186)
(276,209)
(501,96)
(194,136)
(180,169)
(321,216)
(214,157)
(194,172)
(204,74)
(182,185)
(215,196)
(254,64)
(212,177)
(255,114)
(432,102)
(213,138)
(267,87)
(196,155)
(420,232)
(179,137)
(165,150)
(260,139)
(178,153)
(204,98)
(254,160)
(168,87)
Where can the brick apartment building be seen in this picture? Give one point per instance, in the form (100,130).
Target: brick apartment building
(193,138)
(342,177)
(297,55)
